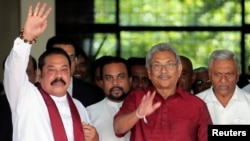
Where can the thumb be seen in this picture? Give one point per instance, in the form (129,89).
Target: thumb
(156,105)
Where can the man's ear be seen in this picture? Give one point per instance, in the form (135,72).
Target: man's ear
(149,73)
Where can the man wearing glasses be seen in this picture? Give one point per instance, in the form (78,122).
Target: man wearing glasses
(226,102)
(164,111)
(202,81)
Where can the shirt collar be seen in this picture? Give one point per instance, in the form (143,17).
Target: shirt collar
(113,104)
(236,95)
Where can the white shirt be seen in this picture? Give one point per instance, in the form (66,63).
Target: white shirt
(101,115)
(237,110)
(246,88)
(30,117)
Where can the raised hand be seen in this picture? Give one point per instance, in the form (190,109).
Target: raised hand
(36,21)
(147,106)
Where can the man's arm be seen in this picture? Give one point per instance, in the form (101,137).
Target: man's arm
(15,77)
(124,122)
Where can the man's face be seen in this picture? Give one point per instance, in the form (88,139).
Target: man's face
(202,82)
(70,50)
(116,82)
(81,68)
(186,79)
(224,76)
(31,72)
(164,72)
(55,75)
(140,78)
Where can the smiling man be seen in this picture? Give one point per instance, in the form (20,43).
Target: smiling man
(46,112)
(164,111)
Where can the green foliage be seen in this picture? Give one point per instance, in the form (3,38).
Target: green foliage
(197,45)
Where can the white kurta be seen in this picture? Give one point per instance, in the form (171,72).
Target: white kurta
(237,110)
(30,116)
(101,115)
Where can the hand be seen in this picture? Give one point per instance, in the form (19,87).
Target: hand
(90,133)
(146,106)
(36,21)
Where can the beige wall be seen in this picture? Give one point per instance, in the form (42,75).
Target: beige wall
(13,15)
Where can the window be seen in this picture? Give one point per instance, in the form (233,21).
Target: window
(130,27)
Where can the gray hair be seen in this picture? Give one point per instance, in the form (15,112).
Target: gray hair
(200,69)
(223,54)
(162,47)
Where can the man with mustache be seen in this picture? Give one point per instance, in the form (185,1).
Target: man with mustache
(85,92)
(46,112)
(58,80)
(163,112)
(116,82)
(226,102)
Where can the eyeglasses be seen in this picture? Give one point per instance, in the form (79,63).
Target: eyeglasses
(200,83)
(168,66)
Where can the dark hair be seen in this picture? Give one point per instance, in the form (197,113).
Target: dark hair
(136,61)
(112,59)
(80,52)
(185,58)
(33,62)
(52,51)
(97,64)
(61,40)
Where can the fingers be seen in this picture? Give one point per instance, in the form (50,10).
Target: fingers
(36,10)
(149,97)
(46,14)
(156,105)
(147,106)
(90,132)
(39,12)
(30,11)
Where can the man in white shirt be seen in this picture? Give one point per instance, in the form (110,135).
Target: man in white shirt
(116,83)
(226,102)
(45,112)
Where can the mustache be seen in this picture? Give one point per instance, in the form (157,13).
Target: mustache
(58,79)
(164,76)
(116,87)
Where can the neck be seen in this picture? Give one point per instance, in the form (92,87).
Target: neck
(224,99)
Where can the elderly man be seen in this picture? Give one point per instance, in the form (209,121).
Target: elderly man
(164,111)
(226,102)
(46,112)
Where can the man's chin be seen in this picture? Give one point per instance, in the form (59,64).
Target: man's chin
(59,93)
